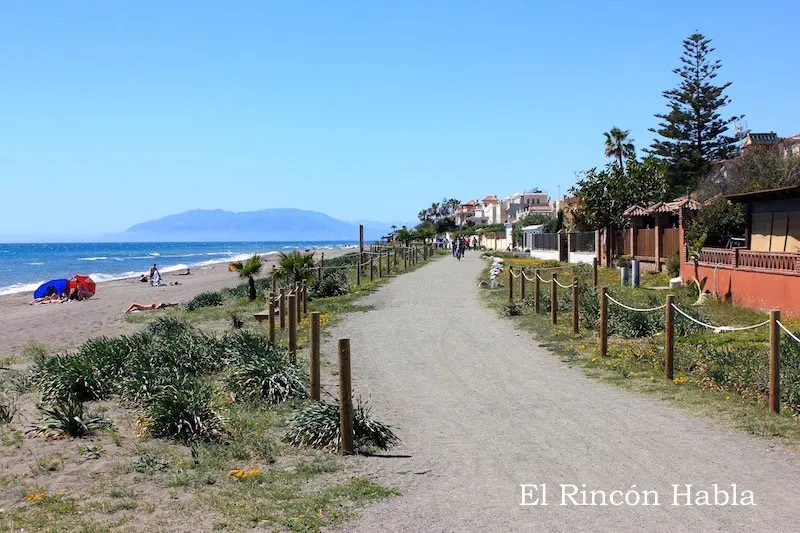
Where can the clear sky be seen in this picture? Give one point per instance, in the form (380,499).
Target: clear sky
(112,113)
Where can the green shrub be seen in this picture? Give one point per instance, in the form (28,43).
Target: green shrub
(68,418)
(512,309)
(71,376)
(316,424)
(205,299)
(184,411)
(333,283)
(260,370)
(674,265)
(589,306)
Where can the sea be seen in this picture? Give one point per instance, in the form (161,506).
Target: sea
(23,267)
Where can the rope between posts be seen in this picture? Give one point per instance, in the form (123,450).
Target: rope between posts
(792,335)
(629,308)
(526,276)
(719,329)
(544,280)
(563,286)
(511,270)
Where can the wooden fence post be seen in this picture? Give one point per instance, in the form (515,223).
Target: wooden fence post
(380,265)
(345,398)
(293,327)
(575,296)
(510,284)
(298,291)
(274,280)
(388,263)
(536,292)
(669,339)
(554,299)
(774,361)
(305,297)
(314,359)
(594,271)
(405,259)
(371,269)
(321,265)
(603,322)
(282,308)
(522,285)
(395,259)
(272,317)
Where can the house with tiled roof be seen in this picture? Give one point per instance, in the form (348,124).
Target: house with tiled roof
(761,141)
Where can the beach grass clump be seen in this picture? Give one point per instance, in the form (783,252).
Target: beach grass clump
(334,282)
(8,408)
(316,424)
(205,299)
(68,418)
(185,411)
(168,326)
(261,370)
(512,309)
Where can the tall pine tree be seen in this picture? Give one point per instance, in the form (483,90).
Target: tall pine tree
(692,133)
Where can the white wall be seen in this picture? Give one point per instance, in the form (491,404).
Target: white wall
(581,257)
(545,254)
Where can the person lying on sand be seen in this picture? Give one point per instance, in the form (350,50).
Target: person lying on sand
(158,305)
(187,273)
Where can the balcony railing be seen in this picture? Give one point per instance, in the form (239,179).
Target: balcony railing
(748,259)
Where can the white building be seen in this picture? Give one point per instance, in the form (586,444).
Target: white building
(522,203)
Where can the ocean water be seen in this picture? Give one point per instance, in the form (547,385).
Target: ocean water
(23,267)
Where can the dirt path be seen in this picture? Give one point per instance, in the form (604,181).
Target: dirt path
(482,409)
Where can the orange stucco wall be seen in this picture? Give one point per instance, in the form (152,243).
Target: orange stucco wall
(756,290)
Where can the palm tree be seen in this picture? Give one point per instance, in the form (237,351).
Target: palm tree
(249,269)
(619,146)
(295,266)
(423,215)
(453,203)
(434,210)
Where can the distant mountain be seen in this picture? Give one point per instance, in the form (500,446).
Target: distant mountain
(279,224)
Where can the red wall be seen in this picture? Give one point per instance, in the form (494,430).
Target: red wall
(756,290)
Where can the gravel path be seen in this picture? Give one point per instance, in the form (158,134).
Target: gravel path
(482,409)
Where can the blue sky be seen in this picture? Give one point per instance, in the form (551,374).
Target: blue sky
(112,113)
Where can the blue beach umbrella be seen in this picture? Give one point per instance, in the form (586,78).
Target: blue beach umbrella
(58,286)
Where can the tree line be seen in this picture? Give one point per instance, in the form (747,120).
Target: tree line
(695,152)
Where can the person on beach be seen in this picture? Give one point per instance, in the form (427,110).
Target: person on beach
(156,305)
(155,276)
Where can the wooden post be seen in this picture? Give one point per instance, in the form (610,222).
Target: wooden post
(345,398)
(388,262)
(380,265)
(371,269)
(536,292)
(603,322)
(554,299)
(314,359)
(594,272)
(293,326)
(305,297)
(274,280)
(395,259)
(405,259)
(321,265)
(575,325)
(510,284)
(282,308)
(774,361)
(298,302)
(669,338)
(522,284)
(272,317)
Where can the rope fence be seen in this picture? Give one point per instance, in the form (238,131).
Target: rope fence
(670,308)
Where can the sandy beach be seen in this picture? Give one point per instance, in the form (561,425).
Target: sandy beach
(67,325)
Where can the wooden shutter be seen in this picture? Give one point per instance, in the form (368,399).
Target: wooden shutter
(762,230)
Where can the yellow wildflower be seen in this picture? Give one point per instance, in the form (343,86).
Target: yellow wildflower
(34,496)
(680,380)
